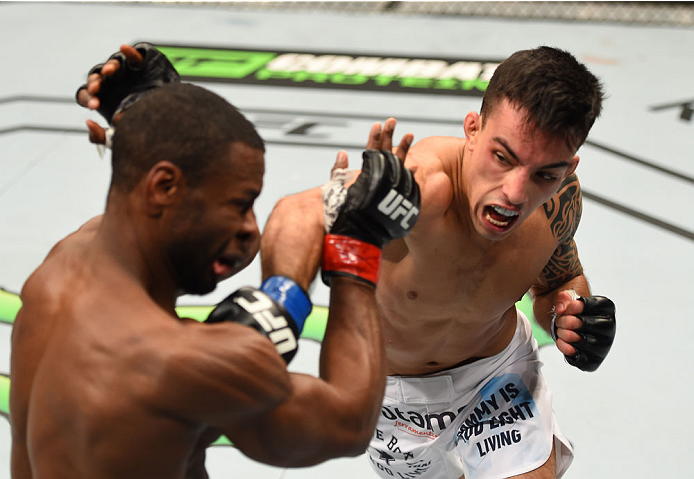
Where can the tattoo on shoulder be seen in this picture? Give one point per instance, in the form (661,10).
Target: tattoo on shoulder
(564,210)
(563,266)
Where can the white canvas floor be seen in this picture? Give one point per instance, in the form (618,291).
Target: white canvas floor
(629,419)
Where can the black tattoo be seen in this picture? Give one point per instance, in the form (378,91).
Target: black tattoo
(564,213)
(565,208)
(563,266)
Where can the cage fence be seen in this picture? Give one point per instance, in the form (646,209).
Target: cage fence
(641,13)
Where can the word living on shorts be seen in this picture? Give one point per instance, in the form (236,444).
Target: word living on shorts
(488,414)
(394,205)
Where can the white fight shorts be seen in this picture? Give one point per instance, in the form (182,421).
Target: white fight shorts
(489,419)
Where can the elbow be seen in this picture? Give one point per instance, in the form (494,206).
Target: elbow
(341,444)
(345,439)
(306,204)
(305,200)
(358,444)
(357,431)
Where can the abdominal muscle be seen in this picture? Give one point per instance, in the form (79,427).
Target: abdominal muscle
(431,325)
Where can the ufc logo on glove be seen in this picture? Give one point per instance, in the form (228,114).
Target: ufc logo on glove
(394,205)
(276,327)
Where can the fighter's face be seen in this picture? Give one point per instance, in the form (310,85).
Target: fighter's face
(510,170)
(217,234)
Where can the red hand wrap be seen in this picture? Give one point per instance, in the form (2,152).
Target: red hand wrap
(346,255)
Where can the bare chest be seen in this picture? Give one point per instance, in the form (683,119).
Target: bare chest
(443,301)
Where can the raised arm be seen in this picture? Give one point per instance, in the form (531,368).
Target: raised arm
(116,84)
(335,415)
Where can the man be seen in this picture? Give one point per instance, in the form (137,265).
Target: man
(107,381)
(465,395)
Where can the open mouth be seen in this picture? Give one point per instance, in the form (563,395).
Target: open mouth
(499,216)
(223,266)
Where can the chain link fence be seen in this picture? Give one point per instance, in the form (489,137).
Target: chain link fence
(649,13)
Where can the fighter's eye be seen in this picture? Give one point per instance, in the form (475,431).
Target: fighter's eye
(244,206)
(547,176)
(501,158)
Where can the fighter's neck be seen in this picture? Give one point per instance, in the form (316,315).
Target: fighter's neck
(460,204)
(138,254)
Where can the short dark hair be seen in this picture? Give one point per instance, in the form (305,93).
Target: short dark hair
(179,122)
(559,95)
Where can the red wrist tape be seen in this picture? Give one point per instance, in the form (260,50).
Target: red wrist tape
(345,255)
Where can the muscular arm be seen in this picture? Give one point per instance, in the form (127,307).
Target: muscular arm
(564,270)
(210,373)
(295,224)
(335,414)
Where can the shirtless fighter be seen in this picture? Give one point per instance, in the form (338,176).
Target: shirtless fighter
(465,395)
(107,381)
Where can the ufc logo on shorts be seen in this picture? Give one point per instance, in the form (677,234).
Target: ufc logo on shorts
(395,205)
(276,327)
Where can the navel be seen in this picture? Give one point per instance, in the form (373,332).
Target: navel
(412,295)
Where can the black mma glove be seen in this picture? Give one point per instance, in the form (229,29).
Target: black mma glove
(597,332)
(130,83)
(382,205)
(277,310)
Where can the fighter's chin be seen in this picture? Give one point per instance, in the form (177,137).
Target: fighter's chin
(199,288)
(494,230)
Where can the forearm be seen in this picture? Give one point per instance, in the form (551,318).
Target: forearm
(353,354)
(291,244)
(335,415)
(544,300)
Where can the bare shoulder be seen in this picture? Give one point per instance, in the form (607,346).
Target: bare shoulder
(563,211)
(434,148)
(80,237)
(48,281)
(433,160)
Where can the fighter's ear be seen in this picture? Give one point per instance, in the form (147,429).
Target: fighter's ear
(472,126)
(163,183)
(573,164)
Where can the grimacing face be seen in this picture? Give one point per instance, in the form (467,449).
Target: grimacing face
(217,234)
(510,170)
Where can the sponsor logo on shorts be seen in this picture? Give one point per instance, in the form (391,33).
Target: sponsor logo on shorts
(412,431)
(414,423)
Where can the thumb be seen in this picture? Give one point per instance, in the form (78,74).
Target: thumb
(562,302)
(341,162)
(133,56)
(96,133)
